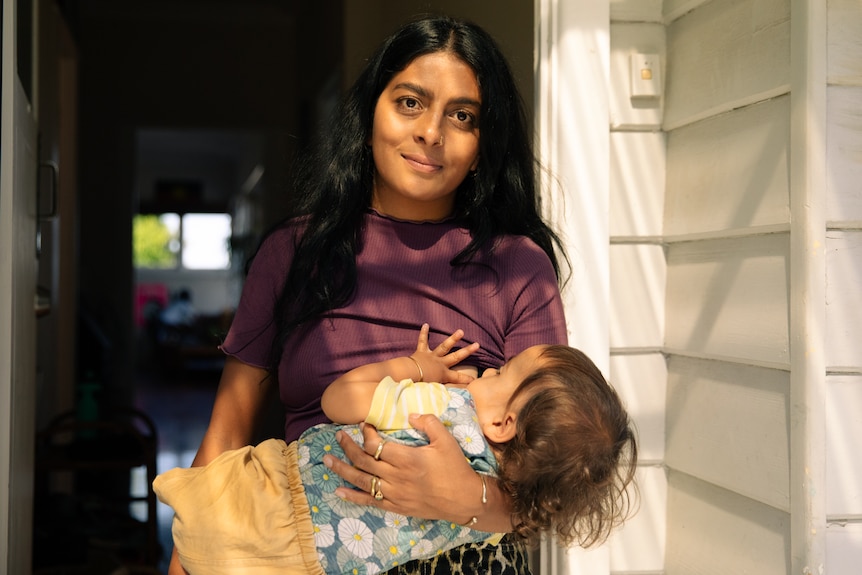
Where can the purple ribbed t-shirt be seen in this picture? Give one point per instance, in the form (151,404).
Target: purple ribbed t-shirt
(507,301)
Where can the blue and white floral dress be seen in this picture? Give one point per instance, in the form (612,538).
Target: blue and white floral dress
(365,540)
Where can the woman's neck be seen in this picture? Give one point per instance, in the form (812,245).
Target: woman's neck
(410,210)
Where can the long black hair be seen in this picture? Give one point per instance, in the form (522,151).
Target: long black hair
(334,180)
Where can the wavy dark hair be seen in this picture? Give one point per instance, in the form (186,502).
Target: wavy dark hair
(334,179)
(571,465)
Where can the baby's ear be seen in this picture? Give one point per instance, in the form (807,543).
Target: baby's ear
(504,428)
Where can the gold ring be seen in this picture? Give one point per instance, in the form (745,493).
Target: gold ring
(379,450)
(375,488)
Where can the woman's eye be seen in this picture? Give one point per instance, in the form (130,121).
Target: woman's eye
(464,118)
(410,103)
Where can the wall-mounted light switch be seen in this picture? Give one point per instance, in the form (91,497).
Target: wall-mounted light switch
(646,75)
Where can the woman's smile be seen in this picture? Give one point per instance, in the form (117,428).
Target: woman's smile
(422,164)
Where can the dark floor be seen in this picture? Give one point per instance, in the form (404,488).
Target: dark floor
(180,408)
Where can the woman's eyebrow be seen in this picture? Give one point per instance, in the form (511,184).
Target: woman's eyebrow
(413,88)
(467,102)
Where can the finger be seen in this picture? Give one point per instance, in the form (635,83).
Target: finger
(357,473)
(362,460)
(378,453)
(432,427)
(455,376)
(422,345)
(366,484)
(361,498)
(356,477)
(449,343)
(370,436)
(362,495)
(460,354)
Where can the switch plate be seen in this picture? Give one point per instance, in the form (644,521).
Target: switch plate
(645,76)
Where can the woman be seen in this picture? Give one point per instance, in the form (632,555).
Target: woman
(418,205)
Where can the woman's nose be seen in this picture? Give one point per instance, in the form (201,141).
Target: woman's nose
(430,131)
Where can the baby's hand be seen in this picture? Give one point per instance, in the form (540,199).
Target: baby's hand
(436,365)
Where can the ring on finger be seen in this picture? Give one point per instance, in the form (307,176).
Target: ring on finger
(375,482)
(379,450)
(378,495)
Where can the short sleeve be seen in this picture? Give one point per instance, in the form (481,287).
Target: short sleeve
(253,328)
(537,315)
(394,401)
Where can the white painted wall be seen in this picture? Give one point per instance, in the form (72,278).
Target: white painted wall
(638,272)
(749,277)
(762,231)
(726,229)
(843,254)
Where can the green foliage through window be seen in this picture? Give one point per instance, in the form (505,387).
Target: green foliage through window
(190,241)
(152,242)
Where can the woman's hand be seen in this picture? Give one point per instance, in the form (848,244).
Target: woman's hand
(434,481)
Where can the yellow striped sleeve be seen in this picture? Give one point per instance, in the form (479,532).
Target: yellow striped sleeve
(394,400)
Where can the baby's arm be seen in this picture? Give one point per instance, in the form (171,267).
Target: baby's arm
(348,398)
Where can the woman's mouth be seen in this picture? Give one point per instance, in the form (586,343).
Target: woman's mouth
(422,164)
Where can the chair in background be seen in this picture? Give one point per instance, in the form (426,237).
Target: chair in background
(83,494)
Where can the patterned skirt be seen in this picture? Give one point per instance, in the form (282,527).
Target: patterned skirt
(508,558)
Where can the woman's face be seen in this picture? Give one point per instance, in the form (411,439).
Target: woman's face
(425,137)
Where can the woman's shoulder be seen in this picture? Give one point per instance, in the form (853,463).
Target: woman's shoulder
(283,235)
(519,250)
(517,244)
(521,263)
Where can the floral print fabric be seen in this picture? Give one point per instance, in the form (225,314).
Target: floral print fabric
(366,540)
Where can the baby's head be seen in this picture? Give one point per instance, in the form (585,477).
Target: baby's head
(569,453)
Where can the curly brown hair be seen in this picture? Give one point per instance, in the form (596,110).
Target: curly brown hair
(571,464)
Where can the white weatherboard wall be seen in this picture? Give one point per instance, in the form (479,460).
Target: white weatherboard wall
(762,232)
(638,276)
(843,345)
(727,233)
(735,255)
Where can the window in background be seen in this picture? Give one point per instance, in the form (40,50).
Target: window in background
(206,241)
(190,241)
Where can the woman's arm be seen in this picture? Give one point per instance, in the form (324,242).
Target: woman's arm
(241,394)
